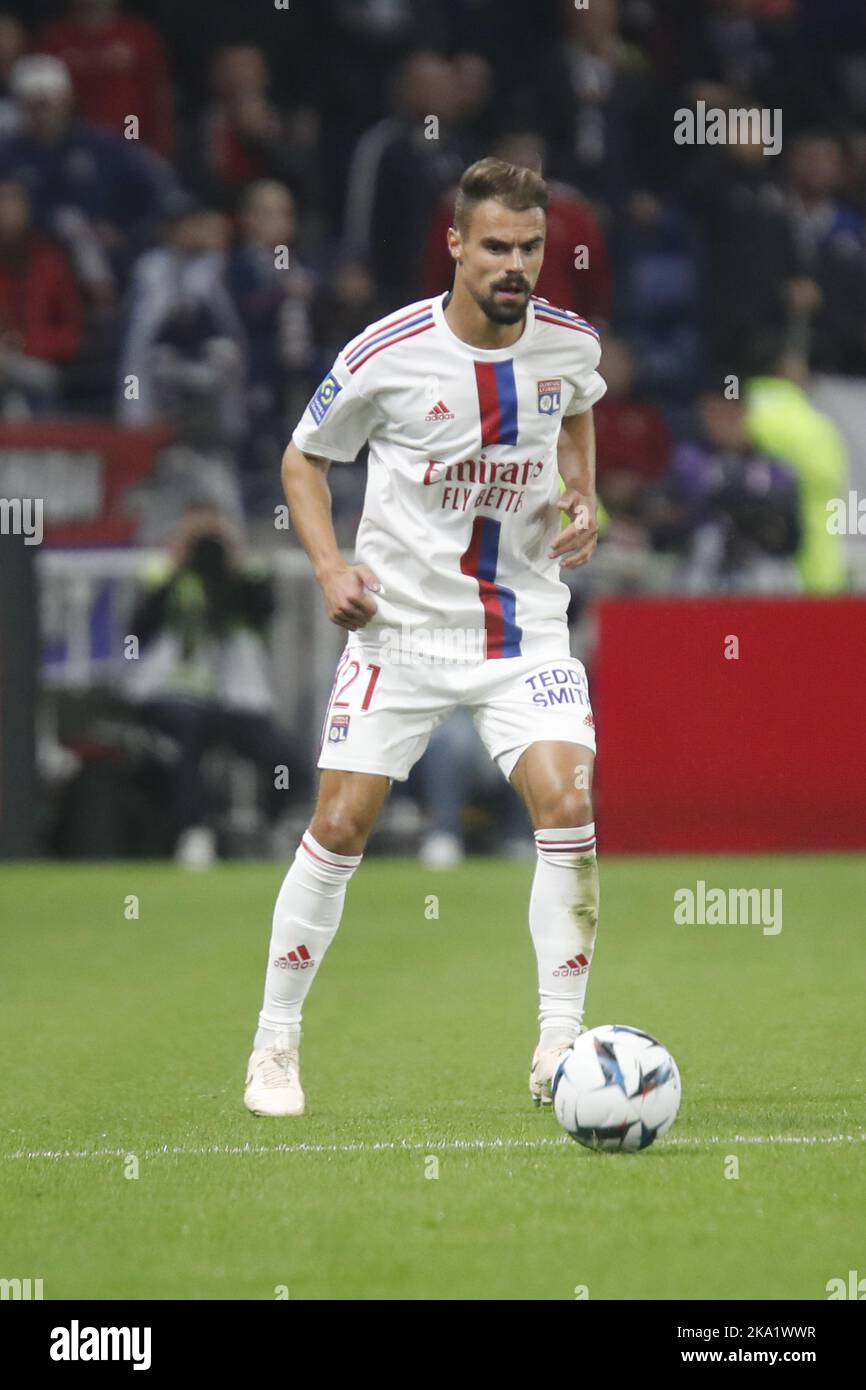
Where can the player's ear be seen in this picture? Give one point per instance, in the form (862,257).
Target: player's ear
(454,245)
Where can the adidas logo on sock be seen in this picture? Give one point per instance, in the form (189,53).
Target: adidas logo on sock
(440,411)
(578,966)
(299,959)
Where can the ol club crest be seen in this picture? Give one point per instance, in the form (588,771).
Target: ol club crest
(549,394)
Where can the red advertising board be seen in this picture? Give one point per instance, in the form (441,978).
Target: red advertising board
(731,724)
(80,469)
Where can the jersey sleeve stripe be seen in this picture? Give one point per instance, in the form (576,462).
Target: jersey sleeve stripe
(390,343)
(567,315)
(580,327)
(390,327)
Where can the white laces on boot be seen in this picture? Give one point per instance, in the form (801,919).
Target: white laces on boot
(279,1069)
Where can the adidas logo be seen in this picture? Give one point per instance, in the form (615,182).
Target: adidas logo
(440,411)
(578,966)
(299,959)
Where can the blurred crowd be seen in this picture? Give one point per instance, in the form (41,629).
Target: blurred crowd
(201,203)
(199,206)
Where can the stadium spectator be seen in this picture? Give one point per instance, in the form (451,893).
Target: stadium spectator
(203,674)
(594,97)
(656,301)
(854,190)
(95,191)
(400,169)
(575,273)
(830,240)
(347,302)
(747,251)
(40,309)
(273,293)
(13,41)
(243,135)
(632,440)
(366,41)
(734,42)
(728,508)
(183,347)
(478,114)
(781,420)
(119,69)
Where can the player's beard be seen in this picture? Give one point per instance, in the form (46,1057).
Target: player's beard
(500,311)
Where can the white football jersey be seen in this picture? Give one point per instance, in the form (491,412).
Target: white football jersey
(460,507)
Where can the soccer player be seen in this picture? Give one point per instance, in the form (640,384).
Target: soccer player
(474,404)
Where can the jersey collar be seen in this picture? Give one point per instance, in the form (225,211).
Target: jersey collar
(484,354)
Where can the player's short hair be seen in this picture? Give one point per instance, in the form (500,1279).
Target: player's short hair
(513,185)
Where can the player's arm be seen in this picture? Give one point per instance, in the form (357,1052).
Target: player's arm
(345,588)
(576,462)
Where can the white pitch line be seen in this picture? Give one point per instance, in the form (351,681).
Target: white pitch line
(404,1145)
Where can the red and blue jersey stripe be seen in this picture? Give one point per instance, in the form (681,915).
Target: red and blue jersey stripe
(564,318)
(480,560)
(497,402)
(418,320)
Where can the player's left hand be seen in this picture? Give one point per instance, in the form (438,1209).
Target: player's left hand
(578,540)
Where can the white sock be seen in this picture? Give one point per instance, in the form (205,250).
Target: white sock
(563,917)
(306,917)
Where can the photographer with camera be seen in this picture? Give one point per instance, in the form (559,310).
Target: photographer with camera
(203,673)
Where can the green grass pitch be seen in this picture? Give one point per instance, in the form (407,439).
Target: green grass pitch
(130,1037)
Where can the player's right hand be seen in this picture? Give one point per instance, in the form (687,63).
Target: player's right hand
(347,596)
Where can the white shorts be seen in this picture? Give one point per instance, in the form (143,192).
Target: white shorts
(380,717)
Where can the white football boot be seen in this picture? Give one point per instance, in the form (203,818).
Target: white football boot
(273,1085)
(543,1070)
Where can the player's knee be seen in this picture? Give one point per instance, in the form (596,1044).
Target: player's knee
(570,807)
(341,830)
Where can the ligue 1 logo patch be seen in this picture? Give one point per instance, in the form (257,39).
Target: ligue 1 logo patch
(324,398)
(339,730)
(549,395)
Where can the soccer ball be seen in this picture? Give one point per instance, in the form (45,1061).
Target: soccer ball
(616,1089)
